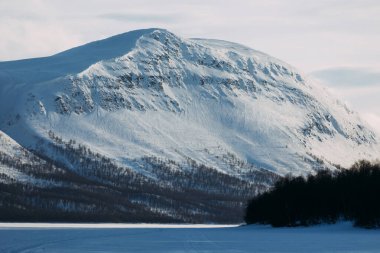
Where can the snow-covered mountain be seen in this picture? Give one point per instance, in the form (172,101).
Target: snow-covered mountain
(148,97)
(151,93)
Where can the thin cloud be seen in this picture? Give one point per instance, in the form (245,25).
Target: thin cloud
(343,77)
(141,17)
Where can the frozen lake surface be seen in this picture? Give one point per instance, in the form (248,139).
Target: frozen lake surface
(181,238)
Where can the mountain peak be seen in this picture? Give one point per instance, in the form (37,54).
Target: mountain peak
(110,47)
(70,61)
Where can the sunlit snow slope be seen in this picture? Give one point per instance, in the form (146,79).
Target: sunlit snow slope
(150,93)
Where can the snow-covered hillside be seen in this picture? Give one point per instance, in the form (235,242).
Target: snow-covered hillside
(151,93)
(13,157)
(76,184)
(9,148)
(169,109)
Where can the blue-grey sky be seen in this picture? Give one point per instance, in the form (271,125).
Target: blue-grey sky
(335,40)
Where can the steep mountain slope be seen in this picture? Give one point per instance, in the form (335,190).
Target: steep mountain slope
(152,93)
(191,114)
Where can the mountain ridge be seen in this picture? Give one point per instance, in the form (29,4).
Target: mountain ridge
(260,76)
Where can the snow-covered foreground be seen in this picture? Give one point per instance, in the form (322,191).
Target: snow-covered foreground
(148,238)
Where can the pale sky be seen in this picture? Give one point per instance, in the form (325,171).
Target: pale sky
(325,38)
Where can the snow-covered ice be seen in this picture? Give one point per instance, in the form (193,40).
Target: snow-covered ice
(181,238)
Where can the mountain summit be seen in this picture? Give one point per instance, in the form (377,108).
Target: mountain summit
(151,102)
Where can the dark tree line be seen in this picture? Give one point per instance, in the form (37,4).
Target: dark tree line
(327,197)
